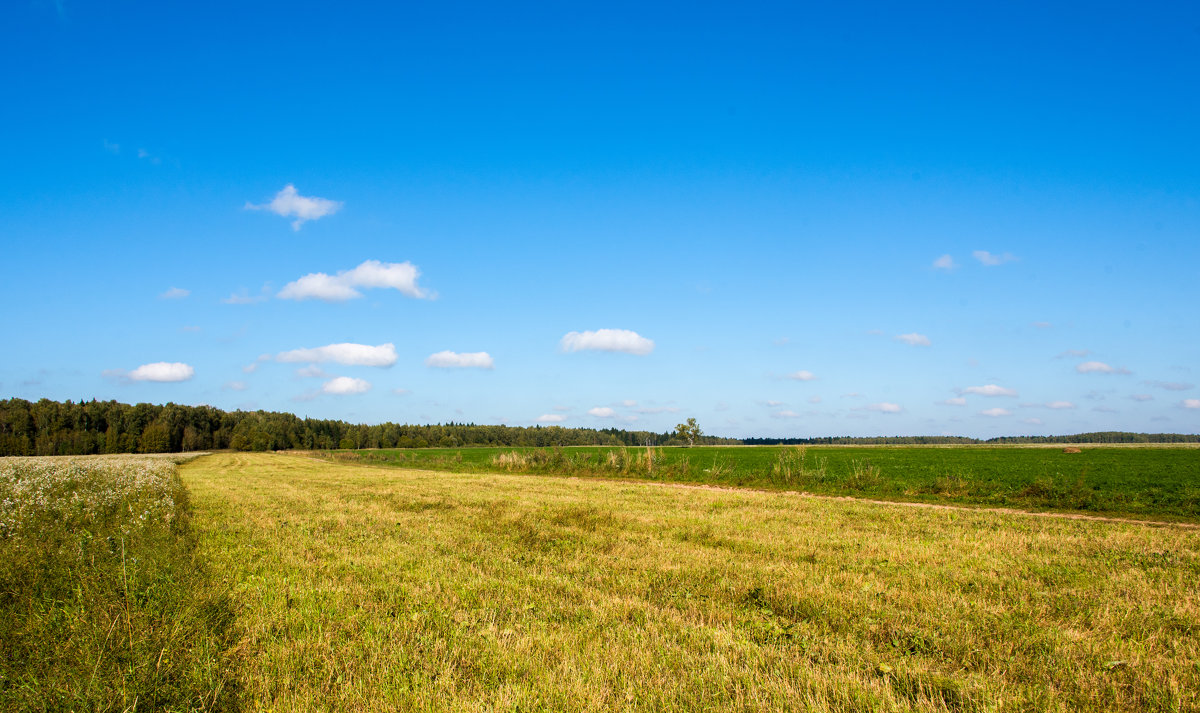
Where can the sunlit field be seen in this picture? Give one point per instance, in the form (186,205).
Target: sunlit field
(361,588)
(1147,482)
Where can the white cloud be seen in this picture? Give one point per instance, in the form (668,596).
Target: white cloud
(607,340)
(992,260)
(234,386)
(786,413)
(345,353)
(1033,421)
(289,203)
(602,412)
(1060,405)
(162,371)
(1142,397)
(1191,403)
(954,401)
(885,407)
(629,403)
(400,276)
(346,385)
(802,375)
(312,371)
(773,404)
(243,297)
(995,412)
(175,293)
(455,360)
(551,418)
(401,392)
(253,366)
(989,390)
(1099,367)
(944,262)
(913,339)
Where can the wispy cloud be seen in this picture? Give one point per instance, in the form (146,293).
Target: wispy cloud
(1170,385)
(785,413)
(602,412)
(1033,421)
(290,204)
(234,386)
(346,385)
(913,339)
(802,375)
(990,390)
(312,371)
(945,262)
(954,401)
(551,418)
(1042,325)
(651,410)
(111,147)
(1190,403)
(175,293)
(995,412)
(345,353)
(243,297)
(1142,397)
(992,259)
(400,276)
(607,340)
(885,407)
(1060,405)
(456,360)
(1099,367)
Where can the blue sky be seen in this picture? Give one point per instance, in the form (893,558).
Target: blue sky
(868,219)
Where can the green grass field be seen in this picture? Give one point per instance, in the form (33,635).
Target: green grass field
(361,588)
(1145,482)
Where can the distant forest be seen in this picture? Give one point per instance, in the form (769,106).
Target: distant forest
(85,427)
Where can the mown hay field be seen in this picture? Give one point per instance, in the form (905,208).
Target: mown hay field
(1148,482)
(364,588)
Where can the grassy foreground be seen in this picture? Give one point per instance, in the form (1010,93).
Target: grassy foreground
(1151,482)
(103,604)
(371,589)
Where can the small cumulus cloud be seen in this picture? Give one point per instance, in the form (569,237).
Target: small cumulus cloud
(346,385)
(455,360)
(175,293)
(290,204)
(607,340)
(945,262)
(913,339)
(995,412)
(773,404)
(344,353)
(345,285)
(1060,405)
(992,259)
(885,407)
(159,371)
(954,401)
(802,375)
(990,390)
(1190,403)
(551,418)
(602,412)
(1099,367)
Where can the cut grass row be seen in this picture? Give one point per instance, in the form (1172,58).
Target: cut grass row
(371,589)
(1148,483)
(104,605)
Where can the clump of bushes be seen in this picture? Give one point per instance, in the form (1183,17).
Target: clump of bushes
(104,603)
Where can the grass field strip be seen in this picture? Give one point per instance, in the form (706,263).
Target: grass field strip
(363,588)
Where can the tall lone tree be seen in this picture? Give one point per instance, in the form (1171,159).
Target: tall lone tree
(688,431)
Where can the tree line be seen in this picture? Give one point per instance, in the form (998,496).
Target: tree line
(48,427)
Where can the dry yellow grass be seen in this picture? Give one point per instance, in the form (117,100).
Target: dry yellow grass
(369,589)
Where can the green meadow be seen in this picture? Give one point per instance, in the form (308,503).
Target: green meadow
(286,582)
(1149,482)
